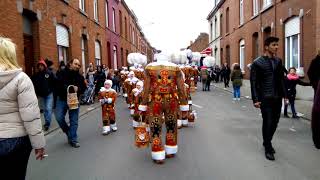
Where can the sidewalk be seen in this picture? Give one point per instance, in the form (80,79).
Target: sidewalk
(84,109)
(304,100)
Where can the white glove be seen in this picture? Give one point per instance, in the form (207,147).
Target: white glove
(103,101)
(132,105)
(109,100)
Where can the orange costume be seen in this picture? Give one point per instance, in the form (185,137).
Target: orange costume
(107,98)
(164,92)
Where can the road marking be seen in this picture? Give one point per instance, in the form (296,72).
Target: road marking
(197,106)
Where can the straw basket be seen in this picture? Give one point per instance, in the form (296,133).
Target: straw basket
(72,98)
(142,137)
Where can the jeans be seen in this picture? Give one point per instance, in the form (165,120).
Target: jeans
(14,156)
(271,110)
(293,109)
(47,108)
(116,87)
(60,113)
(236,91)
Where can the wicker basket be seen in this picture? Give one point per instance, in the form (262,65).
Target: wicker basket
(72,98)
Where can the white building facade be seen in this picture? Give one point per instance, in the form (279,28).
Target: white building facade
(215,19)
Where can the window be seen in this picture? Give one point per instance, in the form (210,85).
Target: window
(228,55)
(95,10)
(127,53)
(292,43)
(82,5)
(107,14)
(267,3)
(211,31)
(255,5)
(84,52)
(220,25)
(215,27)
(215,53)
(97,53)
(242,54)
(115,60)
(120,20)
(255,45)
(241,12)
(122,59)
(133,36)
(125,27)
(114,19)
(62,43)
(227,20)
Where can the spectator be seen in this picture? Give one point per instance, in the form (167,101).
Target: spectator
(268,89)
(99,79)
(90,75)
(236,78)
(291,82)
(217,72)
(315,122)
(20,124)
(43,82)
(226,75)
(116,81)
(314,73)
(314,76)
(69,76)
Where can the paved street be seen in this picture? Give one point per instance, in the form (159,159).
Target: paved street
(225,144)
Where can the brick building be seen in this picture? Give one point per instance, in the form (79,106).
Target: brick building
(246,23)
(65,29)
(200,43)
(318,25)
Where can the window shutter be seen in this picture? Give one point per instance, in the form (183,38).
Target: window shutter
(97,50)
(292,27)
(62,36)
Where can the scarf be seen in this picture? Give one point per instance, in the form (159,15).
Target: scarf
(292,77)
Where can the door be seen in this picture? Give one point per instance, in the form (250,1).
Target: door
(28,54)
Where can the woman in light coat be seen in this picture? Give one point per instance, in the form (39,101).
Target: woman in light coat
(20,124)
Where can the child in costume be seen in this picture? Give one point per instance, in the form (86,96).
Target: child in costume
(107,98)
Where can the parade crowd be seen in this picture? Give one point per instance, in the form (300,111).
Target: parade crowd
(156,93)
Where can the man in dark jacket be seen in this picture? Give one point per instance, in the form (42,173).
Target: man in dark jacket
(314,72)
(268,89)
(43,82)
(69,76)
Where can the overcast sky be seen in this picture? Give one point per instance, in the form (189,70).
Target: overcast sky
(171,24)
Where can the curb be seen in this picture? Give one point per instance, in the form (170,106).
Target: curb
(251,99)
(95,106)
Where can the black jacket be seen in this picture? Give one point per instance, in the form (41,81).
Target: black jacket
(267,81)
(43,83)
(68,77)
(291,86)
(314,71)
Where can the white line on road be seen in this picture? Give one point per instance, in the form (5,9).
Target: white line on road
(197,106)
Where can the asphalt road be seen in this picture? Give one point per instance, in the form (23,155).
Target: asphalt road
(225,144)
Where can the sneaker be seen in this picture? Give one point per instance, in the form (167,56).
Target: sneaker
(238,99)
(286,116)
(45,128)
(234,99)
(295,117)
(75,144)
